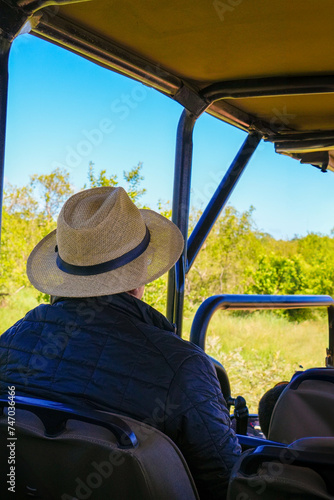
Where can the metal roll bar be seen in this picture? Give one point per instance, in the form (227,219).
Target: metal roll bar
(4,55)
(180,214)
(180,210)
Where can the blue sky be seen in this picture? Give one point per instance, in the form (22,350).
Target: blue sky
(65,111)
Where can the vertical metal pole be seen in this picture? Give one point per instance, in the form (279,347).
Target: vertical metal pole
(4,55)
(180,215)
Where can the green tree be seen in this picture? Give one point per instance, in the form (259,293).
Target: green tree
(54,189)
(231,246)
(20,201)
(19,235)
(278,275)
(101,179)
(133,179)
(26,220)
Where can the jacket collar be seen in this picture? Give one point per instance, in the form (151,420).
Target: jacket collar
(129,305)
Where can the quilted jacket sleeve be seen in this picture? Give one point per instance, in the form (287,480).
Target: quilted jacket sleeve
(199,423)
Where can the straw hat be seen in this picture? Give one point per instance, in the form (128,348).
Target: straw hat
(103,245)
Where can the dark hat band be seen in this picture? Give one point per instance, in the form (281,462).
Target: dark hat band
(104,267)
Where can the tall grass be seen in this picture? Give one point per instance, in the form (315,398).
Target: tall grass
(257,349)
(16,306)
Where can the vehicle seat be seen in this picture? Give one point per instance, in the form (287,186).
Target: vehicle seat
(305,408)
(301,471)
(67,453)
(223,379)
(241,412)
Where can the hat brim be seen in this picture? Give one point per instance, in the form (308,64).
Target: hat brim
(164,249)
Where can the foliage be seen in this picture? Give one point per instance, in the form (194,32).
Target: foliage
(155,294)
(165,209)
(25,221)
(133,179)
(20,201)
(309,271)
(54,189)
(101,179)
(232,245)
(278,275)
(19,236)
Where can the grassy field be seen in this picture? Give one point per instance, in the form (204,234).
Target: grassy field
(257,350)
(16,306)
(261,349)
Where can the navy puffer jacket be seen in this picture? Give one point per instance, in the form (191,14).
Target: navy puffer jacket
(117,353)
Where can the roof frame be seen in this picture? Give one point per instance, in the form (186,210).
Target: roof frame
(105,53)
(269,87)
(108,54)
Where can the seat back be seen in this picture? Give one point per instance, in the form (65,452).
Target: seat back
(300,471)
(241,412)
(223,379)
(305,407)
(65,453)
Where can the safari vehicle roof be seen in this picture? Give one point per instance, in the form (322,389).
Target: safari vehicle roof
(265,66)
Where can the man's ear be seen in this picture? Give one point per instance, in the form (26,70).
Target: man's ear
(137,292)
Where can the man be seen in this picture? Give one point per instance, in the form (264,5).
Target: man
(99,345)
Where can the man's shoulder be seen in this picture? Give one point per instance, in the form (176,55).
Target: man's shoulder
(172,347)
